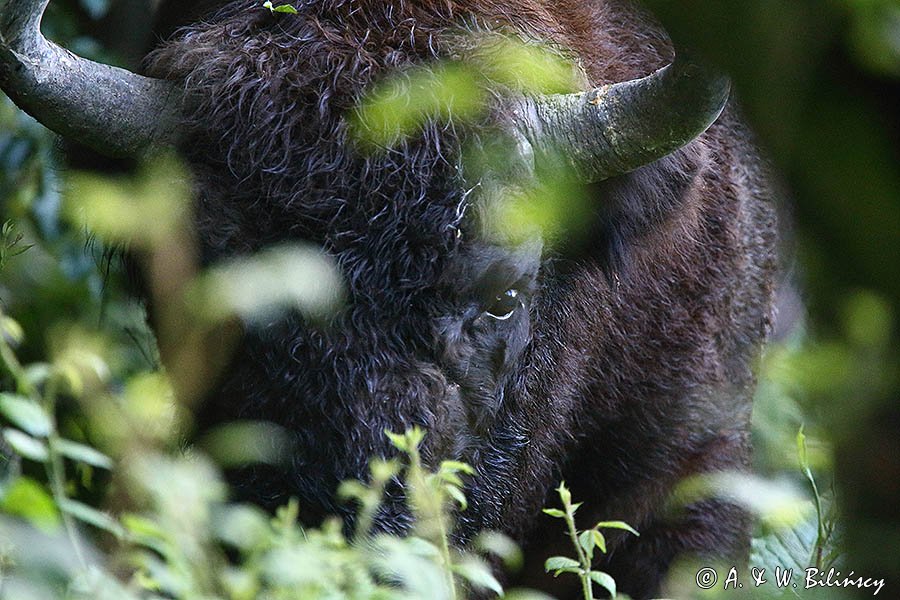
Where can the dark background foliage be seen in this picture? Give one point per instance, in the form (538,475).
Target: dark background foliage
(820,82)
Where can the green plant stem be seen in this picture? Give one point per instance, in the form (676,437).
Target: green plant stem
(54,466)
(23,386)
(369,508)
(56,471)
(585,575)
(445,556)
(432,514)
(820,535)
(366,517)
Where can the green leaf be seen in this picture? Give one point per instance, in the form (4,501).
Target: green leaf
(283,8)
(71,378)
(599,540)
(28,499)
(554,512)
(242,526)
(21,250)
(616,525)
(456,493)
(777,503)
(556,563)
(605,581)
(527,68)
(258,286)
(787,547)
(450,477)
(83,453)
(38,373)
(382,470)
(286,515)
(92,516)
(398,440)
(352,490)
(414,436)
(586,541)
(456,466)
(145,532)
(526,594)
(400,105)
(801,448)
(143,528)
(26,446)
(25,414)
(420,547)
(574,570)
(502,546)
(564,493)
(478,574)
(11,330)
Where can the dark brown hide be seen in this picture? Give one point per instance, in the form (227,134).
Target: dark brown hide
(628,366)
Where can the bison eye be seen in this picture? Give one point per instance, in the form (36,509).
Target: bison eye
(504,305)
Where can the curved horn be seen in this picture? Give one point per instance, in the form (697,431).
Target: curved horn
(114,111)
(617,128)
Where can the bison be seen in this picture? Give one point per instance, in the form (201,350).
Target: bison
(621,364)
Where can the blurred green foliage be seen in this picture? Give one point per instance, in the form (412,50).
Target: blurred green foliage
(819,81)
(399,106)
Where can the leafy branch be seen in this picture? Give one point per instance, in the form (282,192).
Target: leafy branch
(584,542)
(10,243)
(34,436)
(430,494)
(281,8)
(824,524)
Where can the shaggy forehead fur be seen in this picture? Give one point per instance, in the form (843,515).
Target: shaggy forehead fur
(271,93)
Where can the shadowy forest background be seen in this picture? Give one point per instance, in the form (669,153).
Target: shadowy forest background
(819,80)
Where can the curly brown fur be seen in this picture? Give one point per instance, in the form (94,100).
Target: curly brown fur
(629,367)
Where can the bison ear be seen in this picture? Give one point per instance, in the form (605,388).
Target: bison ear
(631,207)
